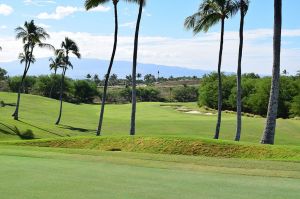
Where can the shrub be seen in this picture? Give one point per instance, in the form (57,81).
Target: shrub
(186,94)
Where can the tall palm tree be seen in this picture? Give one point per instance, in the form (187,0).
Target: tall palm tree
(89,4)
(141,3)
(269,132)
(31,36)
(68,46)
(210,13)
(243,6)
(55,64)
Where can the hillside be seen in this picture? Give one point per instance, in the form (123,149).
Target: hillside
(38,114)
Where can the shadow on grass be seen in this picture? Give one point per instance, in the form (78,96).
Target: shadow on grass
(42,129)
(3,104)
(26,135)
(83,130)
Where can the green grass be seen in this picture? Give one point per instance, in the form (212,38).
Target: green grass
(172,156)
(172,145)
(30,172)
(39,114)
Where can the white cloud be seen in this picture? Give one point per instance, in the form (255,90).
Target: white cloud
(3,27)
(64,11)
(5,9)
(128,24)
(44,25)
(198,52)
(39,2)
(60,12)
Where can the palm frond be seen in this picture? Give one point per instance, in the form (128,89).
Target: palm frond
(89,4)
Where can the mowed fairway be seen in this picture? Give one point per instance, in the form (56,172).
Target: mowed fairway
(86,168)
(34,173)
(39,114)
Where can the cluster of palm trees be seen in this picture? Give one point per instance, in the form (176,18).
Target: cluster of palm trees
(32,36)
(212,12)
(89,4)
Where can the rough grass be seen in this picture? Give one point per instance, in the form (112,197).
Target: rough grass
(39,114)
(173,145)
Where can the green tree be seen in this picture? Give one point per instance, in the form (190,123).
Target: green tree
(85,91)
(210,13)
(243,6)
(186,94)
(55,64)
(269,132)
(134,66)
(31,36)
(89,4)
(113,80)
(149,79)
(68,46)
(3,74)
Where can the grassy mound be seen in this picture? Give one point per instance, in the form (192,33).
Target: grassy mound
(173,145)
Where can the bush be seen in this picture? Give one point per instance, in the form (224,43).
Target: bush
(186,94)
(85,91)
(15,82)
(148,94)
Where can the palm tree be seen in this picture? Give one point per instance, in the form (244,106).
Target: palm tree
(31,36)
(68,46)
(269,132)
(210,13)
(54,65)
(141,3)
(88,5)
(243,6)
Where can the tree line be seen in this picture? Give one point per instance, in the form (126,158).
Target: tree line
(89,90)
(255,94)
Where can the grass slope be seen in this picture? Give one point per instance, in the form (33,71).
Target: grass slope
(39,114)
(67,173)
(172,145)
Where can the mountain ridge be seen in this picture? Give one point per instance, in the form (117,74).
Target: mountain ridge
(96,66)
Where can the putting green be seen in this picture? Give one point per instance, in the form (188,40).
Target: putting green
(34,173)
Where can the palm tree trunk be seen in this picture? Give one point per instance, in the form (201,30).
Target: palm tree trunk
(21,87)
(108,71)
(53,82)
(239,80)
(61,95)
(269,132)
(136,43)
(27,66)
(217,132)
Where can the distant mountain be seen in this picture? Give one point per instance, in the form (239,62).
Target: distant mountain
(94,66)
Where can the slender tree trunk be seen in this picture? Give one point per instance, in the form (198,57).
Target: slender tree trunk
(108,71)
(136,43)
(217,132)
(27,66)
(61,95)
(21,87)
(269,132)
(53,82)
(239,80)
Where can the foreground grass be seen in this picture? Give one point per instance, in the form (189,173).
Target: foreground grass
(30,172)
(39,114)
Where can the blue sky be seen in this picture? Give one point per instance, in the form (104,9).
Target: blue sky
(163,38)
